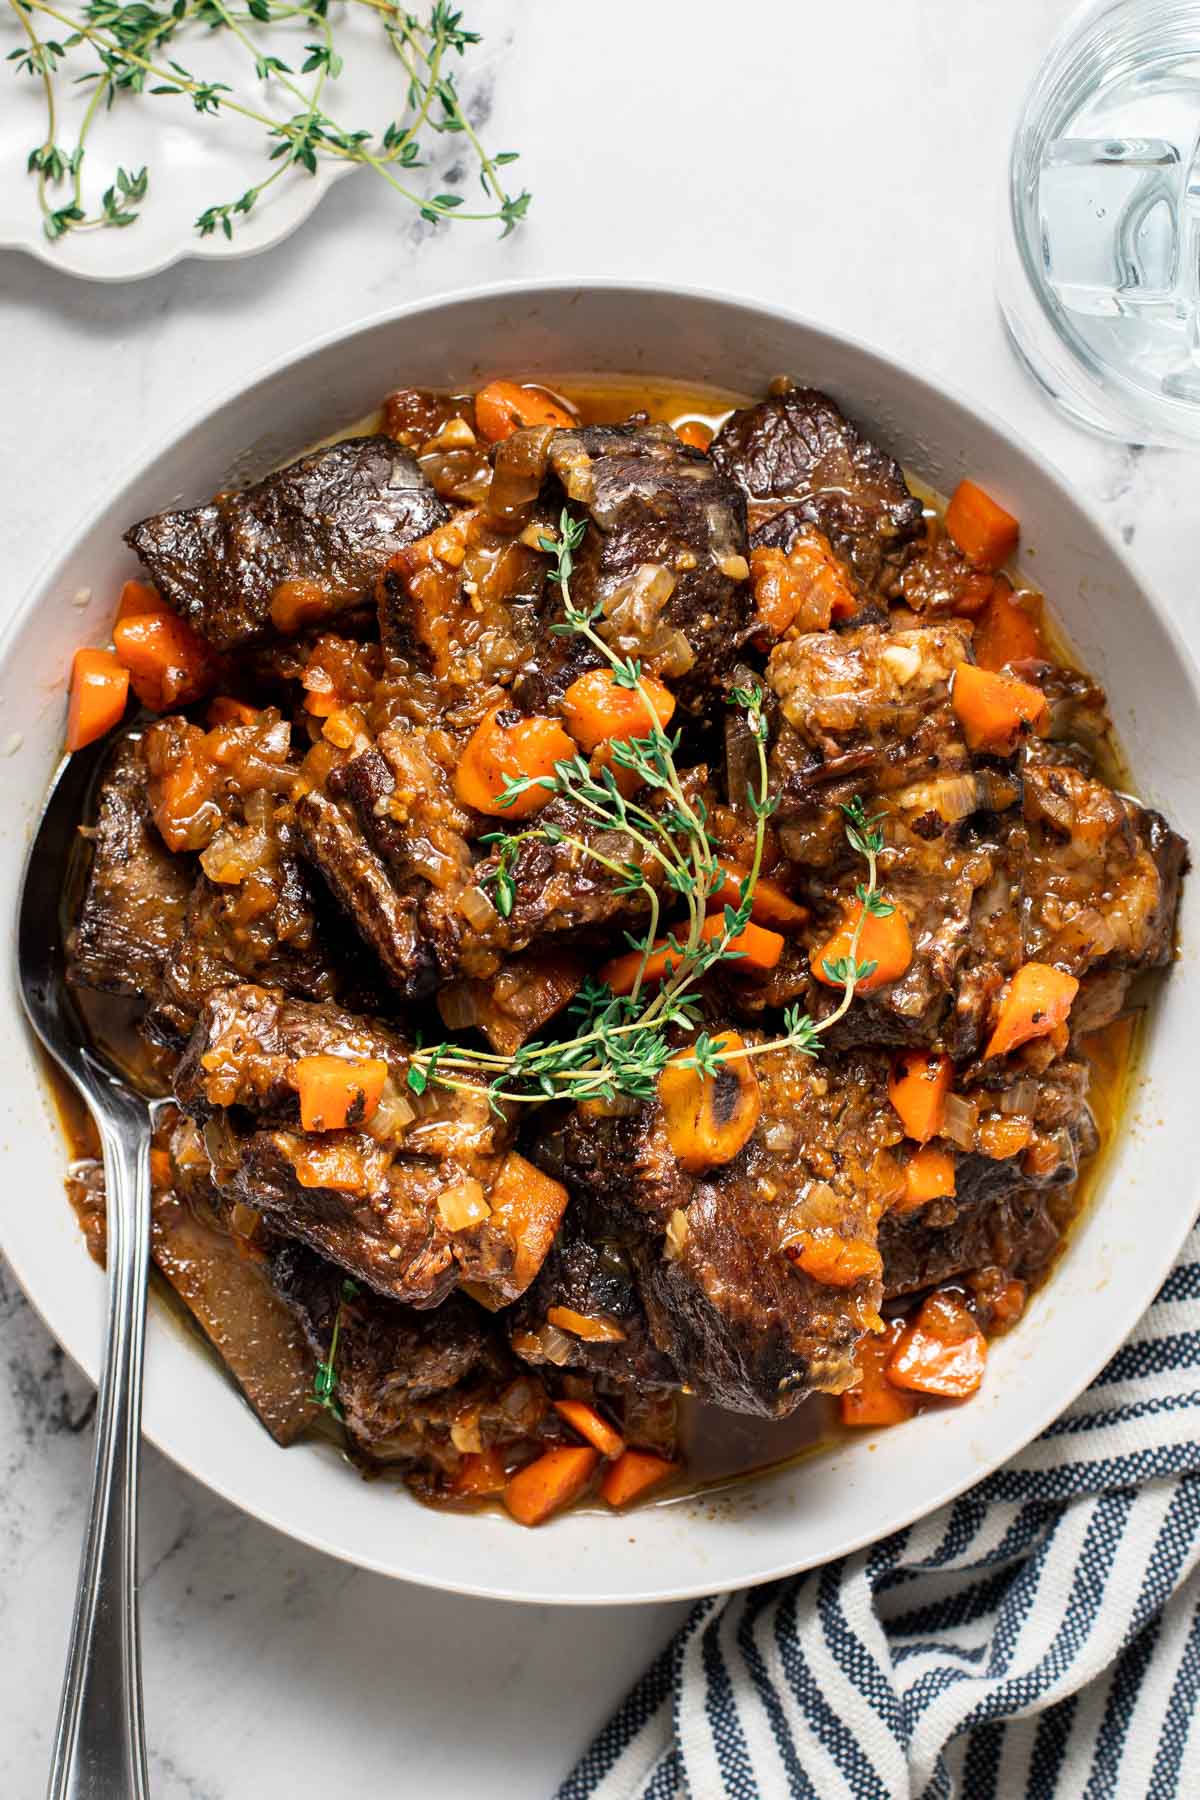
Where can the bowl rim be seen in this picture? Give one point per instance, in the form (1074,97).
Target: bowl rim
(1123,1315)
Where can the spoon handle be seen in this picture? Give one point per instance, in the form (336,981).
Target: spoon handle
(99,1743)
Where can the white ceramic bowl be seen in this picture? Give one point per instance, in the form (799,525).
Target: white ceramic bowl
(827,1505)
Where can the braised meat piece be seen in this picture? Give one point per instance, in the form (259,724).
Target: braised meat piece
(1100,883)
(724,1268)
(421,1193)
(800,462)
(1014,1230)
(665,562)
(332,520)
(136,893)
(462,601)
(526,993)
(585,1309)
(415,1388)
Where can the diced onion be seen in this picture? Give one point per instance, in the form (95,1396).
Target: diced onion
(677,1232)
(590,1326)
(1021,1097)
(463,1204)
(458,1004)
(477,909)
(960,1120)
(464,1435)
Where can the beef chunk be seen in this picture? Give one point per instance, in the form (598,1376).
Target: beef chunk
(665,561)
(415,1388)
(517,1001)
(592,1271)
(726,1292)
(461,601)
(1100,883)
(334,518)
(800,462)
(384,913)
(423,1195)
(136,892)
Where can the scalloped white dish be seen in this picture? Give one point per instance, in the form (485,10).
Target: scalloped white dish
(194,161)
(1143,1205)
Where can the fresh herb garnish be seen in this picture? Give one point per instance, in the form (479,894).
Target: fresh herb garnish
(325,1379)
(121,49)
(621,1044)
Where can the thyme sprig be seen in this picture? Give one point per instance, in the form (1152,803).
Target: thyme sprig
(622,1041)
(325,1377)
(120,49)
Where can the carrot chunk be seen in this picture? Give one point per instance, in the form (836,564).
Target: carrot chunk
(768,903)
(482,1472)
(1006,632)
(875,1401)
(337,1091)
(503,748)
(833,1260)
(547,1485)
(943,1352)
(634,1474)
(1004,1136)
(502,407)
(917,1088)
(694,433)
(929,1174)
(1036,1002)
(884,942)
(597,710)
(169,665)
(806,588)
(99,690)
(588,1423)
(709,1117)
(983,531)
(996,711)
(137,597)
(759,950)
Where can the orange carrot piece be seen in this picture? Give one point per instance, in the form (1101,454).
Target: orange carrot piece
(1006,633)
(99,690)
(588,1423)
(917,1088)
(500,751)
(634,1474)
(943,1352)
(760,950)
(137,597)
(768,903)
(169,665)
(502,407)
(709,1117)
(886,942)
(996,711)
(337,1091)
(597,710)
(875,1401)
(1036,1002)
(983,531)
(694,433)
(833,1260)
(529,1205)
(226,711)
(547,1485)
(929,1174)
(482,1472)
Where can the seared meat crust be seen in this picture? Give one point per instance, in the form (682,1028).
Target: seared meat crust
(333,518)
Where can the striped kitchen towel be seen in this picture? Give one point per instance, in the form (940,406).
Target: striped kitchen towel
(1040,1637)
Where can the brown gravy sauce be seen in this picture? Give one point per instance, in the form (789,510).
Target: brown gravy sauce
(718,1448)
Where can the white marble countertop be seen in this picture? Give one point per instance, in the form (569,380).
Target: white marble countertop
(844,161)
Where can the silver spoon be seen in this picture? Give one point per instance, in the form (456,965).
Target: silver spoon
(99,1743)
